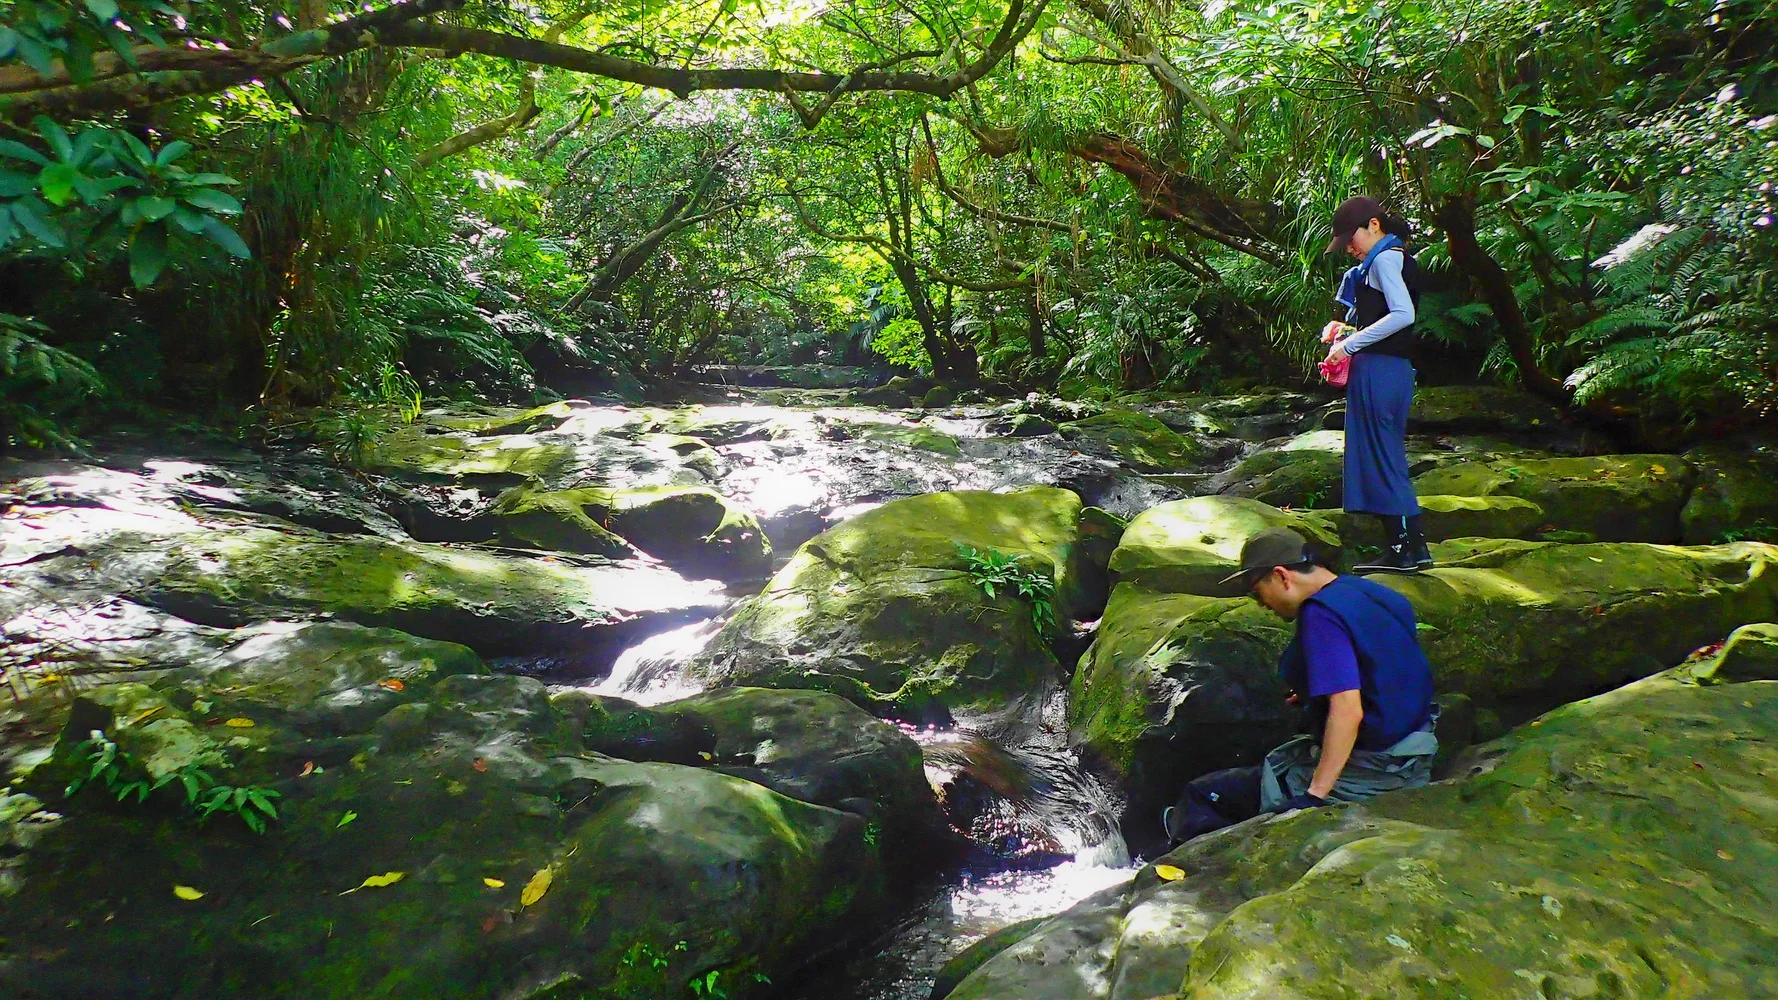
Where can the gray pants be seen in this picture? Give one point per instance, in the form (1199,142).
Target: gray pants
(1290,768)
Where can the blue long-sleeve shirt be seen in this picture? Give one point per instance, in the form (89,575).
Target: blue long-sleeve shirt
(1385,276)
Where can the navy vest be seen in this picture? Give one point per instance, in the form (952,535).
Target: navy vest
(1395,680)
(1370,306)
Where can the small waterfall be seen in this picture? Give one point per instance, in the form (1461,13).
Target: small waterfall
(649,673)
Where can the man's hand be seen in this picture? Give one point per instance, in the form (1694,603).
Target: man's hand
(1304,801)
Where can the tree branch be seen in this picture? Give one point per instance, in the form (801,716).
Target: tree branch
(193,71)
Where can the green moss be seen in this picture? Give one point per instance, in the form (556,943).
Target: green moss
(1189,546)
(1138,439)
(1611,497)
(879,609)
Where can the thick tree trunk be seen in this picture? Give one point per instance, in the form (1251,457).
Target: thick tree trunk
(1457,218)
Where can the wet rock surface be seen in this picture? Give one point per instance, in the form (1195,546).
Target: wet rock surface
(349,639)
(1614,846)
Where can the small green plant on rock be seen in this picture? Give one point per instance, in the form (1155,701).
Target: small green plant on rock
(1759,531)
(995,572)
(119,771)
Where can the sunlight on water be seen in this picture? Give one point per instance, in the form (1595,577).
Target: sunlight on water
(991,902)
(648,673)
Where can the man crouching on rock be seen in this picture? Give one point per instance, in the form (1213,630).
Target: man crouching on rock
(1357,660)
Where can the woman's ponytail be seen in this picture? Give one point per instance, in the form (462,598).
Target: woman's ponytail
(1394,225)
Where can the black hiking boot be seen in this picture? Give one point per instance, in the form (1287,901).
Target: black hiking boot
(1417,544)
(1399,554)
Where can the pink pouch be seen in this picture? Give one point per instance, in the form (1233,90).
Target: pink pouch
(1337,372)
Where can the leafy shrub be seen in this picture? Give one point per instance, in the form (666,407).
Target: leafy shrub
(995,572)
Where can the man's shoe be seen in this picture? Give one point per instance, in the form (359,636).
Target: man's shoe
(1397,558)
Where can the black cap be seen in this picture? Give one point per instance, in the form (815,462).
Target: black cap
(1354,214)
(1267,549)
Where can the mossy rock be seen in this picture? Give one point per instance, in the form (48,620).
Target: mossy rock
(1176,684)
(557,521)
(1615,847)
(971,958)
(1749,654)
(326,677)
(1472,409)
(651,874)
(1446,517)
(919,437)
(1735,497)
(496,604)
(1614,498)
(1189,546)
(1136,438)
(879,609)
(694,529)
(883,395)
(938,396)
(821,749)
(1307,472)
(570,446)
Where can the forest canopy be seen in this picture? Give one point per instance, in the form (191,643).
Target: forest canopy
(233,207)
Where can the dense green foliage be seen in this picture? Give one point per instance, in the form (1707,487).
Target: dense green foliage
(1092,196)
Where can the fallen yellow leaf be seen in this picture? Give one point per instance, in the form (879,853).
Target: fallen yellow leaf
(705,755)
(493,883)
(1168,873)
(1659,470)
(239,723)
(538,885)
(378,881)
(1726,856)
(187,892)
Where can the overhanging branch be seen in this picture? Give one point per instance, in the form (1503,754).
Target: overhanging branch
(200,70)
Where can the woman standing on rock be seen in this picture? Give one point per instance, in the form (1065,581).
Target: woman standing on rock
(1379,295)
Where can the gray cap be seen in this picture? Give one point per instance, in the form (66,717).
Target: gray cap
(1267,549)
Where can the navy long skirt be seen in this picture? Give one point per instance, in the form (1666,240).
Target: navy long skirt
(1378,396)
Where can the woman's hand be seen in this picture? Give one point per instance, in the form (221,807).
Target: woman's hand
(1337,353)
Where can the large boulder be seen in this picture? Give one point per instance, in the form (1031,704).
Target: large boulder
(561,445)
(1136,438)
(882,610)
(1446,517)
(822,749)
(1615,847)
(1612,498)
(1735,498)
(1306,471)
(1484,409)
(1189,546)
(462,844)
(1177,684)
(557,521)
(227,571)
